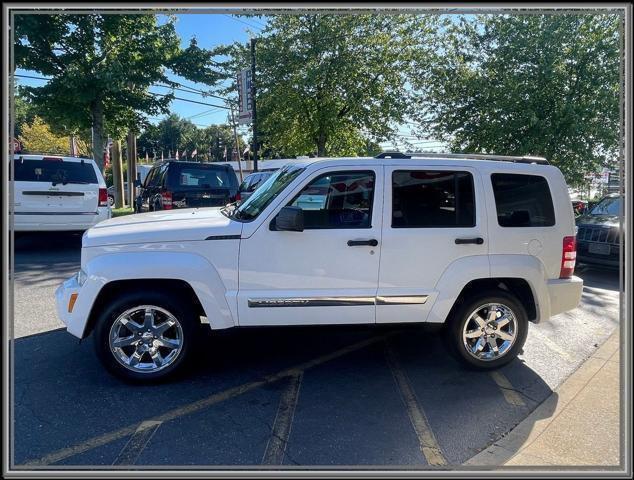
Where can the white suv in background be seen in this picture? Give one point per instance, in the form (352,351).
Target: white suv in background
(57,193)
(482,244)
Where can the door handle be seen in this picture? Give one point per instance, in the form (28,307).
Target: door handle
(476,240)
(358,243)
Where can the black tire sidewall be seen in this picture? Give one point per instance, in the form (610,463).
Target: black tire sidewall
(459,317)
(162,299)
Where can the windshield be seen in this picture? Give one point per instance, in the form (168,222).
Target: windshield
(265,194)
(608,206)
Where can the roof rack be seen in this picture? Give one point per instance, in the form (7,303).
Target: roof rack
(467,156)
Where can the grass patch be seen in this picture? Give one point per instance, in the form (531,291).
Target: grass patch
(119,212)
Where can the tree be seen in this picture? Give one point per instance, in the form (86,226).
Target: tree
(24,114)
(101,67)
(38,138)
(174,133)
(326,83)
(526,84)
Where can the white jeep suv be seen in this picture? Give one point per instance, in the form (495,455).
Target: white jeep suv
(54,193)
(483,244)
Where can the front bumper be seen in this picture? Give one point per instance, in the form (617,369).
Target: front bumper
(564,294)
(75,321)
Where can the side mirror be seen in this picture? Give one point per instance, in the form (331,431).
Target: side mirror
(290,219)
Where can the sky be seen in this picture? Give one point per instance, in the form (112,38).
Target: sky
(211,30)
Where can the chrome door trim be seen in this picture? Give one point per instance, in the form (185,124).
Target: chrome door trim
(336,301)
(401,299)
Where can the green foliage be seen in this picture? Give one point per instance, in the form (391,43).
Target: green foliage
(526,84)
(101,67)
(24,114)
(178,133)
(326,83)
(38,138)
(119,212)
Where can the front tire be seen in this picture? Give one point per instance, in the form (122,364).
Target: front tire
(145,336)
(488,330)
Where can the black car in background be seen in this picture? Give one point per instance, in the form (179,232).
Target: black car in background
(252,182)
(598,233)
(176,184)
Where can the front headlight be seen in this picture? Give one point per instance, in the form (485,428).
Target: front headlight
(81,277)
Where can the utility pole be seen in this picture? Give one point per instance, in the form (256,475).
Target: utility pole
(132,160)
(253,107)
(237,140)
(117,174)
(72,146)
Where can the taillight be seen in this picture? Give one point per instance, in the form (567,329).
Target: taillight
(568,257)
(103,197)
(238,197)
(167,200)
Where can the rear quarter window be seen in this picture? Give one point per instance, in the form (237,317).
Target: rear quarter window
(53,171)
(522,200)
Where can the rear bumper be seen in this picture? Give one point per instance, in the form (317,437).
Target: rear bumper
(564,294)
(56,222)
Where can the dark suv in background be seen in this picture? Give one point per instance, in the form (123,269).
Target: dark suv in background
(176,184)
(598,233)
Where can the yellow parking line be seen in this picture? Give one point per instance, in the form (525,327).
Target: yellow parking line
(428,444)
(130,453)
(510,395)
(198,405)
(276,446)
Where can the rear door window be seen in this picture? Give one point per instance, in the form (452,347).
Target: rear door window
(54,171)
(432,199)
(522,200)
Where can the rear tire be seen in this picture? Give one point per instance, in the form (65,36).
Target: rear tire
(146,336)
(487,330)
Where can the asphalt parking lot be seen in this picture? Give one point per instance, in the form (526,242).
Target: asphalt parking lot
(298,397)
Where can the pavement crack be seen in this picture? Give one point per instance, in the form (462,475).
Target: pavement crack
(520,392)
(272,433)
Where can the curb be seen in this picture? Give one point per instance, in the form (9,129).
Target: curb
(520,445)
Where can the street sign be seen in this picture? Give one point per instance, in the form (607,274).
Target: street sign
(245,104)
(17,146)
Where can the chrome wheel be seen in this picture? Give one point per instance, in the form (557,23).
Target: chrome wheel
(146,339)
(490,331)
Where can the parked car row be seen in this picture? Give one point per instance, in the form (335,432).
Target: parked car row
(68,193)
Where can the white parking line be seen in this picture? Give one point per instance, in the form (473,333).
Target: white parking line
(198,405)
(510,394)
(136,444)
(276,446)
(428,444)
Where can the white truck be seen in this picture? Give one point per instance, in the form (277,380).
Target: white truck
(484,244)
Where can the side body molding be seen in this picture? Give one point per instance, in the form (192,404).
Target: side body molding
(189,267)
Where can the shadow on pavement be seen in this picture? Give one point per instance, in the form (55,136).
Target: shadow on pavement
(349,410)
